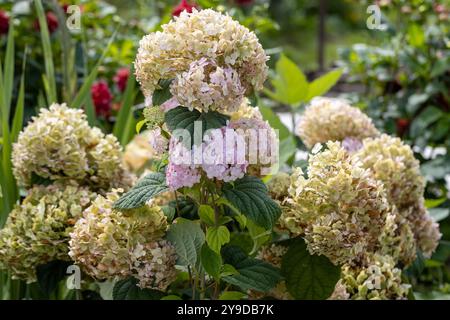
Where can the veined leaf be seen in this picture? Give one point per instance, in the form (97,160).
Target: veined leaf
(308,277)
(253,274)
(148,187)
(216,237)
(250,196)
(182,118)
(211,261)
(162,94)
(188,238)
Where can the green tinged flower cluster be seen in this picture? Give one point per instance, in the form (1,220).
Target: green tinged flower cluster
(378,279)
(59,144)
(109,243)
(37,231)
(341,205)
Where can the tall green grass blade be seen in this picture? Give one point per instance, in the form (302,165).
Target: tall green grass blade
(48,55)
(9,70)
(18,114)
(85,91)
(90,112)
(125,110)
(67,54)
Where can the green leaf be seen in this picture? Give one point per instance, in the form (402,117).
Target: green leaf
(9,69)
(253,274)
(89,108)
(232,295)
(290,84)
(127,289)
(228,270)
(216,237)
(439,214)
(323,84)
(288,147)
(416,35)
(188,238)
(50,274)
(18,114)
(211,261)
(163,94)
(50,75)
(125,112)
(249,195)
(140,124)
(182,118)
(206,214)
(433,203)
(308,277)
(148,187)
(169,212)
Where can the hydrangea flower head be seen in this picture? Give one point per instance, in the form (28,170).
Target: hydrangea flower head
(108,243)
(235,52)
(37,231)
(329,119)
(58,144)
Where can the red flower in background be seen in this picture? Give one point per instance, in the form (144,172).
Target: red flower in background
(101,96)
(52,22)
(183,5)
(121,78)
(402,126)
(244,2)
(4,22)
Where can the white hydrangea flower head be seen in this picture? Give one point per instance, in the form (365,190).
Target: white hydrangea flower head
(37,231)
(108,243)
(378,279)
(331,119)
(278,185)
(201,34)
(393,163)
(341,205)
(58,144)
(206,86)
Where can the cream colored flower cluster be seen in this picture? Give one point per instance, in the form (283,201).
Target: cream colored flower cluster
(363,209)
(108,243)
(342,206)
(37,231)
(59,144)
(330,119)
(212,59)
(378,279)
(206,86)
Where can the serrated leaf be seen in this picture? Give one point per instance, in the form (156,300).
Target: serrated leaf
(308,277)
(206,214)
(188,238)
(127,289)
(216,237)
(148,187)
(211,261)
(183,118)
(253,274)
(249,195)
(321,85)
(162,94)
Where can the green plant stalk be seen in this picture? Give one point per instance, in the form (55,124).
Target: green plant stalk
(48,55)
